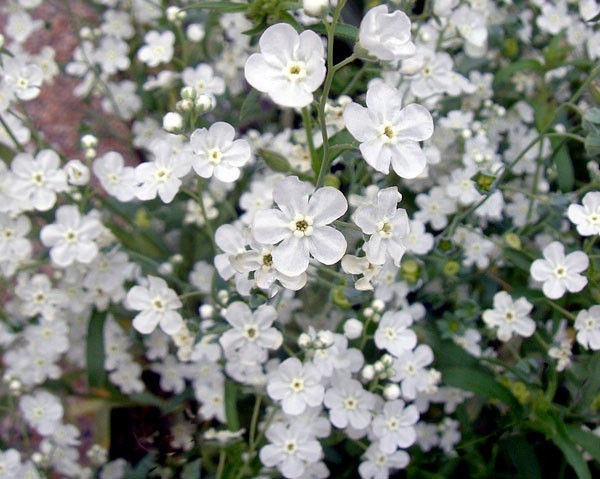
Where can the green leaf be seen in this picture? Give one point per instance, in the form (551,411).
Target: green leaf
(96,374)
(590,387)
(231,412)
(278,163)
(592,144)
(564,442)
(275,161)
(523,65)
(518,258)
(522,454)
(586,439)
(591,120)
(556,52)
(143,468)
(481,383)
(564,167)
(250,105)
(192,470)
(342,30)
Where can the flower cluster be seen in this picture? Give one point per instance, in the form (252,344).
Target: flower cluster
(299,239)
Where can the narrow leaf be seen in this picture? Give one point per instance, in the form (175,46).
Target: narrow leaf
(192,470)
(518,258)
(480,383)
(586,439)
(231,412)
(251,104)
(564,168)
(522,455)
(95,351)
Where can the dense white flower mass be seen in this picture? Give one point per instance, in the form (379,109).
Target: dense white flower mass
(233,244)
(289,67)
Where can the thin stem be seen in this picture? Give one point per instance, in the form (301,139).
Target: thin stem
(307,121)
(331,70)
(12,136)
(221,466)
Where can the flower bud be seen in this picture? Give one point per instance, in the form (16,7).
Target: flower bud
(315,8)
(204,103)
(195,32)
(368,372)
(89,141)
(172,122)
(353,328)
(391,391)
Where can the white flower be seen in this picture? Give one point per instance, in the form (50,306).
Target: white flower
(299,227)
(217,153)
(393,333)
(42,411)
(291,449)
(162,175)
(394,426)
(377,464)
(587,216)
(387,226)
(510,316)
(72,236)
(289,67)
(587,326)
(410,369)
(37,180)
(560,273)
(389,133)
(157,49)
(158,304)
(116,178)
(252,333)
(386,35)
(349,404)
(10,464)
(296,386)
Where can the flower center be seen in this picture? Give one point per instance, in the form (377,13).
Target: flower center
(385,228)
(158,304)
(510,317)
(70,236)
(8,234)
(594,219)
(38,178)
(560,271)
(301,226)
(162,175)
(290,446)
(215,156)
(392,424)
(295,71)
(251,333)
(113,179)
(267,259)
(350,403)
(388,133)
(297,385)
(390,333)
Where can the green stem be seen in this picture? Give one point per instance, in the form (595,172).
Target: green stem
(11,134)
(331,70)
(307,121)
